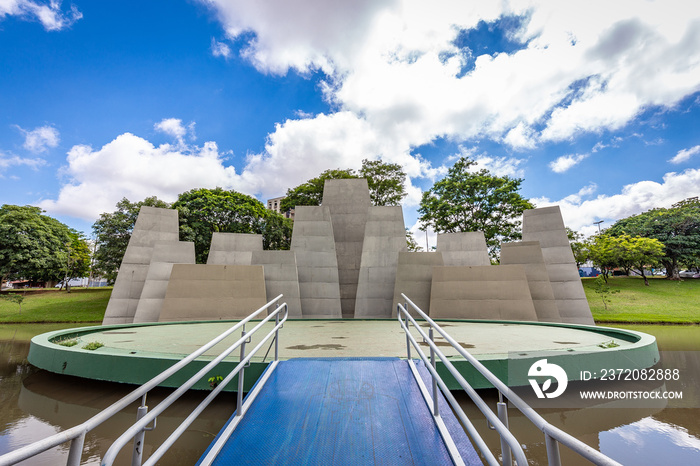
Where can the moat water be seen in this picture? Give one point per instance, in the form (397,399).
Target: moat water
(35,404)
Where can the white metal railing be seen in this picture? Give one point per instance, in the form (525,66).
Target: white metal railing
(510,447)
(76,435)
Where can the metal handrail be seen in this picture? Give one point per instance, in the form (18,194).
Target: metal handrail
(77,434)
(141,424)
(553,435)
(499,426)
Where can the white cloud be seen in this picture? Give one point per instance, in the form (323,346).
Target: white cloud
(634,198)
(10,160)
(565,162)
(40,139)
(500,166)
(134,168)
(175,128)
(49,14)
(685,154)
(220,49)
(584,66)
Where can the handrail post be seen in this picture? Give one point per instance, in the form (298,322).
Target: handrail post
(137,455)
(502,409)
(277,334)
(408,341)
(239,393)
(75,453)
(553,458)
(436,409)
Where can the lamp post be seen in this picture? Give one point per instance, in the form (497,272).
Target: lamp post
(598,223)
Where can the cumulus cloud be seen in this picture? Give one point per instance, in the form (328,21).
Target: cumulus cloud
(220,49)
(565,162)
(580,67)
(50,14)
(134,168)
(580,213)
(685,155)
(40,139)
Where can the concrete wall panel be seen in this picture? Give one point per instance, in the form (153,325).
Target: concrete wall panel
(317,264)
(529,255)
(348,202)
(233,248)
(414,275)
(481,292)
(384,239)
(165,254)
(152,225)
(547,226)
(213,292)
(281,277)
(463,249)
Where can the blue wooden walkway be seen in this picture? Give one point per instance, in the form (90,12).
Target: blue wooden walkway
(339,411)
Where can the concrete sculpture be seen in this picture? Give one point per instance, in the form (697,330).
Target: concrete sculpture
(529,255)
(384,239)
(153,225)
(348,259)
(547,226)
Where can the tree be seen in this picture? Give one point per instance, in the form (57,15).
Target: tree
(678,228)
(467,200)
(207,211)
(385,181)
(311,192)
(112,234)
(78,262)
(641,252)
(578,246)
(604,252)
(32,245)
(411,242)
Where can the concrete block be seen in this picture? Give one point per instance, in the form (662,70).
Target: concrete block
(463,248)
(213,292)
(547,226)
(481,292)
(348,202)
(529,255)
(317,264)
(165,254)
(414,275)
(233,248)
(281,277)
(152,226)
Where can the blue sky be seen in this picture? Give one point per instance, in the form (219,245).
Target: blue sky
(596,106)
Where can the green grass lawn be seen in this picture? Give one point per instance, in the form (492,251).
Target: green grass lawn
(662,301)
(80,305)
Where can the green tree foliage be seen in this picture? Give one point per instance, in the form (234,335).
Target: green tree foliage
(112,233)
(678,228)
(626,252)
(385,181)
(14,298)
(578,246)
(603,290)
(411,242)
(311,192)
(467,200)
(78,261)
(32,245)
(207,211)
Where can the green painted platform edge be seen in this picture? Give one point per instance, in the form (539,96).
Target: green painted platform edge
(138,369)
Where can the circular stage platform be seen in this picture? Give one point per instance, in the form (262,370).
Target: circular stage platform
(137,352)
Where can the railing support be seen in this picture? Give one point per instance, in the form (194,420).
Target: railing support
(506,454)
(241,375)
(75,453)
(436,408)
(277,336)
(552,445)
(137,455)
